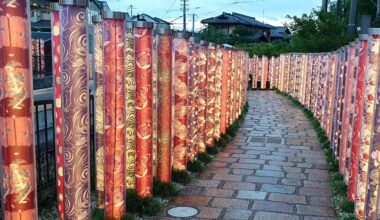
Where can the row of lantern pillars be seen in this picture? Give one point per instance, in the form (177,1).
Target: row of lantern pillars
(342,89)
(159,100)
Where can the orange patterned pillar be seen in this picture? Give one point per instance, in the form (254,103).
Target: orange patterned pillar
(19,197)
(229,119)
(202,92)
(180,57)
(114,115)
(224,91)
(218,92)
(210,103)
(143,105)
(164,103)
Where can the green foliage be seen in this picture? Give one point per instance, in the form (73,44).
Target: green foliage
(141,206)
(212,150)
(195,166)
(181,176)
(204,157)
(164,190)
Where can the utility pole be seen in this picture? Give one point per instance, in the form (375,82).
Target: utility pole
(352,17)
(192,31)
(338,9)
(131,9)
(325,4)
(184,9)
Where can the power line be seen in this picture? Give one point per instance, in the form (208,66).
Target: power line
(170,7)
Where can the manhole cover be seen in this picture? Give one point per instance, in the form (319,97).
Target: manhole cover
(182,212)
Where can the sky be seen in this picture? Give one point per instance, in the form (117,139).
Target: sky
(270,11)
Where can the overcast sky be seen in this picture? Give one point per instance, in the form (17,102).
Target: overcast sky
(269,11)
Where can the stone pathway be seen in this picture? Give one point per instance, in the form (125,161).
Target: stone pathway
(274,169)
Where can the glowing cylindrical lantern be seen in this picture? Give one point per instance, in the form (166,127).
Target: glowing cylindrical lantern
(143,105)
(233,86)
(331,81)
(164,109)
(114,115)
(154,103)
(228,66)
(19,197)
(75,99)
(202,91)
(193,99)
(345,150)
(218,92)
(357,119)
(130,124)
(58,104)
(180,57)
(364,203)
(99,109)
(210,103)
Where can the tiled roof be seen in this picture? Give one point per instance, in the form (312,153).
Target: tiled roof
(235,18)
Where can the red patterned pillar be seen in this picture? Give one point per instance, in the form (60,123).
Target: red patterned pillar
(114,115)
(202,78)
(193,134)
(19,195)
(224,91)
(180,57)
(164,109)
(357,120)
(143,105)
(233,86)
(210,103)
(56,37)
(229,119)
(218,92)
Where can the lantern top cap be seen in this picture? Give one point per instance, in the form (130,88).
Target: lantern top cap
(97,19)
(74,2)
(203,42)
(220,46)
(142,24)
(374,31)
(363,36)
(54,6)
(352,44)
(211,44)
(164,31)
(181,35)
(129,24)
(194,39)
(115,15)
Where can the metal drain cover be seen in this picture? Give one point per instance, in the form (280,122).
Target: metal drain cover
(182,212)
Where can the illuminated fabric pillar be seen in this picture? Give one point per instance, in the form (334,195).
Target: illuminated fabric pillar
(193,99)
(130,117)
(19,195)
(164,109)
(229,87)
(331,80)
(114,113)
(357,119)
(345,150)
(233,86)
(238,83)
(202,99)
(143,106)
(265,69)
(99,109)
(75,99)
(336,103)
(154,103)
(180,57)
(218,92)
(210,103)
(351,113)
(364,204)
(58,104)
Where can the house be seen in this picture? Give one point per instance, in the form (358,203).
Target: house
(280,33)
(227,22)
(157,22)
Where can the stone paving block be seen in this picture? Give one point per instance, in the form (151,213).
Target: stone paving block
(249,156)
(278,188)
(259,179)
(237,214)
(305,165)
(242,171)
(272,167)
(192,200)
(191,191)
(292,169)
(254,161)
(298,176)
(291,182)
(217,170)
(217,164)
(278,197)
(315,191)
(272,206)
(282,163)
(314,184)
(270,173)
(209,213)
(205,183)
(257,195)
(272,157)
(228,177)
(246,166)
(226,160)
(230,203)
(218,192)
(321,201)
(239,186)
(315,210)
(274,216)
(317,218)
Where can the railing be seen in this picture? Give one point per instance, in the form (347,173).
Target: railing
(44,125)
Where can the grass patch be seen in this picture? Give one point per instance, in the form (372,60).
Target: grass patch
(204,157)
(344,206)
(195,166)
(141,206)
(164,190)
(181,176)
